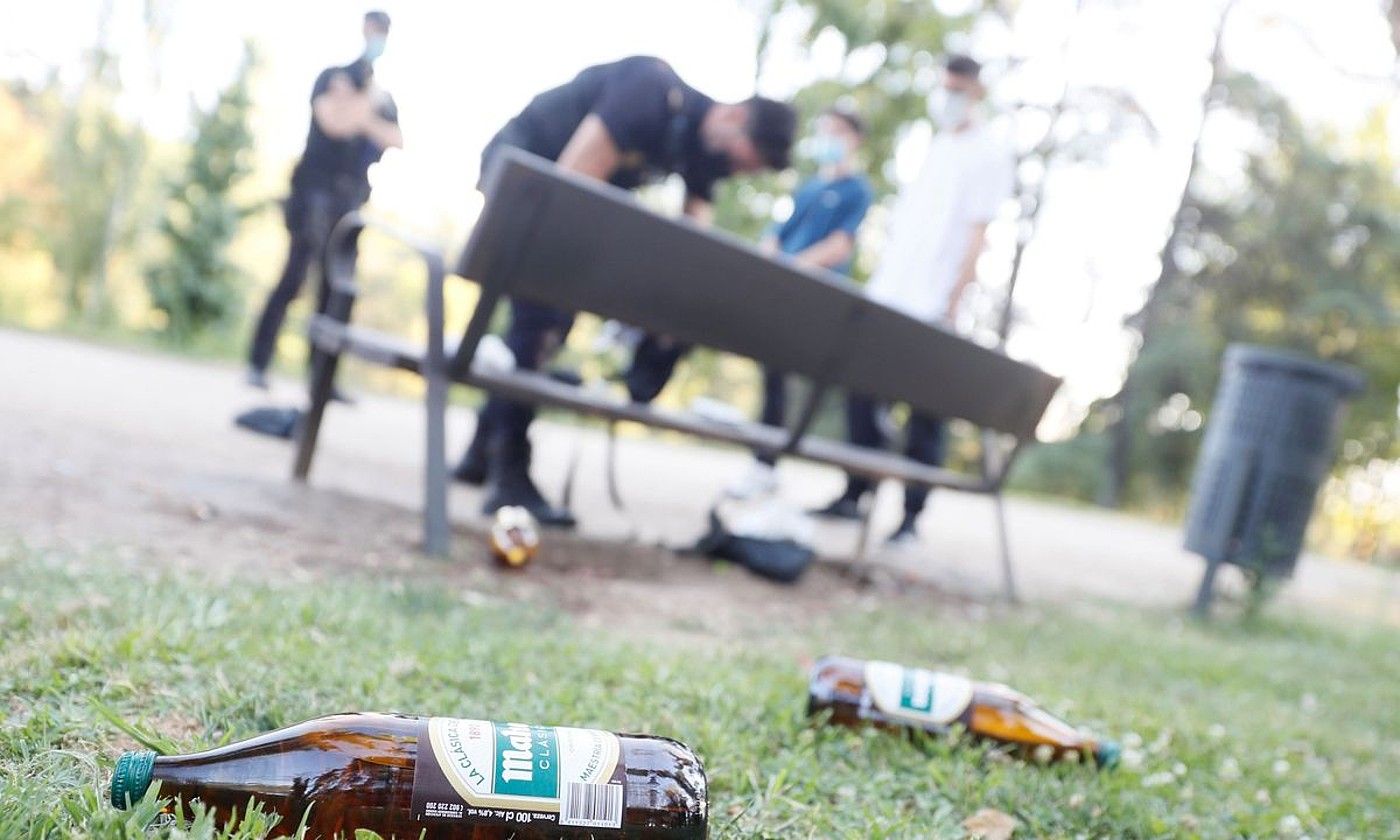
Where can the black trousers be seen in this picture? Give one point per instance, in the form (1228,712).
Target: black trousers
(924,441)
(310,215)
(774,411)
(535,333)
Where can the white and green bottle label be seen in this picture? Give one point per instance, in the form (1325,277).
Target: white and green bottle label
(926,699)
(484,773)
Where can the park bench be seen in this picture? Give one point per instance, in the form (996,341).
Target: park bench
(570,242)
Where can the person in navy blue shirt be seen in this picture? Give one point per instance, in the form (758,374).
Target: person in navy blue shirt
(827,210)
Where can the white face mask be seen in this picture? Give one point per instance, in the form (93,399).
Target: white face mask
(950,108)
(374,47)
(827,149)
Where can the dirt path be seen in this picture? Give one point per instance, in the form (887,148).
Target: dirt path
(136,452)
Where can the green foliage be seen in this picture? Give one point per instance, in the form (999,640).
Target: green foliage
(1300,250)
(906,38)
(1305,257)
(197,286)
(1071,469)
(1233,730)
(94,165)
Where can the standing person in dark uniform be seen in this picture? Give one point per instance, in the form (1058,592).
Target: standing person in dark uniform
(626,123)
(352,123)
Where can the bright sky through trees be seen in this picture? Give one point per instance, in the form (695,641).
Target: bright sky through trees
(458,70)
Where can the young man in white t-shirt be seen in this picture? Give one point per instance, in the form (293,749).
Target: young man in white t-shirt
(937,231)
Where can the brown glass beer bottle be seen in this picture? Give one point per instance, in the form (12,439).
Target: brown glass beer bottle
(895,697)
(412,777)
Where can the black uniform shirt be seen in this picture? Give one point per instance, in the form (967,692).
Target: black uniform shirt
(340,165)
(653,116)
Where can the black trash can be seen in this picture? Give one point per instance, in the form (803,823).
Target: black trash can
(1269,444)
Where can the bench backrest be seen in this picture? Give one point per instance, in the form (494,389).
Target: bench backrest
(570,242)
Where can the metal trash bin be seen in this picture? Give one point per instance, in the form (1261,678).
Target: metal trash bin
(1269,444)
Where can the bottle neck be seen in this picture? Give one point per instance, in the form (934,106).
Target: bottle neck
(132,778)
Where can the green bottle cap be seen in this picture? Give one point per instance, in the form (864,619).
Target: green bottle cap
(1107,753)
(132,777)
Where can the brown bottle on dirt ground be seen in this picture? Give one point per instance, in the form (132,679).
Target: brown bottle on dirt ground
(892,696)
(470,780)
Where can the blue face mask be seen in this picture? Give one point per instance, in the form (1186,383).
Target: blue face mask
(828,150)
(374,47)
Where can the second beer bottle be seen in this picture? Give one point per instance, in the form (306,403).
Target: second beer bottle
(440,779)
(893,696)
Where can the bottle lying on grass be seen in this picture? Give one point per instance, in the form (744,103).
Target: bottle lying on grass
(439,778)
(896,697)
(515,538)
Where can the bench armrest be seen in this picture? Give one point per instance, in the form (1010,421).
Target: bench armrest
(340,276)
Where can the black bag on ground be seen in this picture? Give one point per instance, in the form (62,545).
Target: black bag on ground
(271,421)
(781,560)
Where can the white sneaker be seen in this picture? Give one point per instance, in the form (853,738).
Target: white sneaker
(759,480)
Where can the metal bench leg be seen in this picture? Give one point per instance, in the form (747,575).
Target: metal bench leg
(1008,575)
(566,493)
(435,525)
(322,380)
(610,471)
(435,376)
(337,267)
(866,524)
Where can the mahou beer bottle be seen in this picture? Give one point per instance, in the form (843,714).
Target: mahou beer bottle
(893,696)
(412,777)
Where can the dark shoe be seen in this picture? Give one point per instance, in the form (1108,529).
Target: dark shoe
(257,379)
(472,468)
(510,484)
(846,507)
(273,422)
(904,535)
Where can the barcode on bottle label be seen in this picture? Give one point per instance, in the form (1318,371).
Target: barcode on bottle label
(591,806)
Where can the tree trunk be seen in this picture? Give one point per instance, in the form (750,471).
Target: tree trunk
(1045,150)
(1121,426)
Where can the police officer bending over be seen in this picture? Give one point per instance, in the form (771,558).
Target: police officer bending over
(627,123)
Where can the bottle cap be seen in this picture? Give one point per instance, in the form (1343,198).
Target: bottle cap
(131,777)
(1106,754)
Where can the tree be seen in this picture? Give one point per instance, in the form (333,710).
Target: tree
(94,165)
(197,286)
(1305,257)
(23,186)
(1302,254)
(1127,412)
(890,57)
(889,66)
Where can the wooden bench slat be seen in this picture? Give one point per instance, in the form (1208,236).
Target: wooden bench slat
(582,245)
(371,345)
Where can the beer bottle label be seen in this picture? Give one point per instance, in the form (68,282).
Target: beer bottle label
(926,699)
(476,772)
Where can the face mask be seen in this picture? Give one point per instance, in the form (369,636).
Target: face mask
(949,108)
(374,47)
(827,150)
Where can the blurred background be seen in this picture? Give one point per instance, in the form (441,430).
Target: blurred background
(1190,174)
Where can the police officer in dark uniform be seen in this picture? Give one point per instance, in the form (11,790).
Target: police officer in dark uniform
(627,123)
(352,123)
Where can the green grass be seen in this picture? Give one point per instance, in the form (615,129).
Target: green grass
(1275,729)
